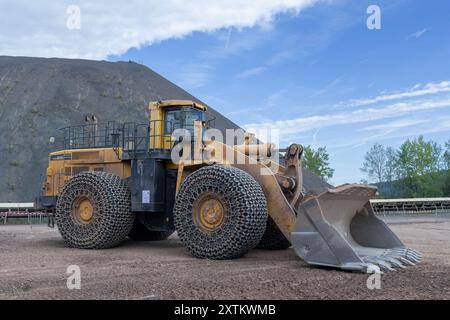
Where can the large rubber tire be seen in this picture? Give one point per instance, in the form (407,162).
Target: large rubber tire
(273,238)
(245,213)
(112,219)
(140,232)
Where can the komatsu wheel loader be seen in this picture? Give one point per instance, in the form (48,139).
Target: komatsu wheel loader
(112,181)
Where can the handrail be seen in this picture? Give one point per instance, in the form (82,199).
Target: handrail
(129,136)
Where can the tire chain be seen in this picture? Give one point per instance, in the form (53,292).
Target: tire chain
(273,238)
(112,219)
(245,213)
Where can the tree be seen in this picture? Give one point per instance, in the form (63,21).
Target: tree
(446,188)
(447,156)
(419,166)
(379,163)
(391,165)
(318,162)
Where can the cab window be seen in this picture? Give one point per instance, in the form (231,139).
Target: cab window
(172,121)
(182,118)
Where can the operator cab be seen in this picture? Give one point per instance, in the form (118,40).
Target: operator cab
(170,115)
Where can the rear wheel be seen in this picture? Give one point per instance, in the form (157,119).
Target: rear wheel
(220,212)
(273,238)
(93,211)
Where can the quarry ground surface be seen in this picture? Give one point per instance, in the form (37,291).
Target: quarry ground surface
(33,264)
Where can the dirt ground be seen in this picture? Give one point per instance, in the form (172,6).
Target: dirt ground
(33,264)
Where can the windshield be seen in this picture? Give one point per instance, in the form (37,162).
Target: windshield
(182,118)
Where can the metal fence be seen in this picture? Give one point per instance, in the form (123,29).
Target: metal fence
(24,213)
(418,206)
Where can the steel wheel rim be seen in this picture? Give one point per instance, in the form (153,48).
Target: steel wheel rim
(82,210)
(209,212)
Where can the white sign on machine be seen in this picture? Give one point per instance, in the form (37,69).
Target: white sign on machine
(145,196)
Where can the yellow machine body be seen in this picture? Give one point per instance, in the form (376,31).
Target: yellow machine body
(65,164)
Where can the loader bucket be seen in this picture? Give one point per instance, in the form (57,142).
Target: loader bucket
(338,228)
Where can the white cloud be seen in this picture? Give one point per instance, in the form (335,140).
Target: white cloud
(112,27)
(195,75)
(329,86)
(295,126)
(250,72)
(394,125)
(279,57)
(417,91)
(274,98)
(282,56)
(440,125)
(418,34)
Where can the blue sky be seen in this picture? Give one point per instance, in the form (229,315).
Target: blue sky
(309,68)
(323,76)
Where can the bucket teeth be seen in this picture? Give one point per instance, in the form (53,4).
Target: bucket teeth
(394,258)
(408,262)
(407,253)
(384,264)
(396,263)
(377,261)
(414,254)
(414,257)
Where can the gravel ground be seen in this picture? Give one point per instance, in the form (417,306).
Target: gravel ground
(33,264)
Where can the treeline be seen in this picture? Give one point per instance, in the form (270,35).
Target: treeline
(418,168)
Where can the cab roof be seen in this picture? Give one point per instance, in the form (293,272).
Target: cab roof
(178,103)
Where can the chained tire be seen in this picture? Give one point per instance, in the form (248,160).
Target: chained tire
(93,211)
(140,232)
(273,238)
(220,213)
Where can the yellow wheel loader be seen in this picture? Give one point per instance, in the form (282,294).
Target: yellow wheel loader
(145,181)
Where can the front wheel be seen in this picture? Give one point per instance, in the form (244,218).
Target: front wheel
(220,212)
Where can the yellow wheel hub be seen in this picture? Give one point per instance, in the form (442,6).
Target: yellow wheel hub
(83,210)
(209,214)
